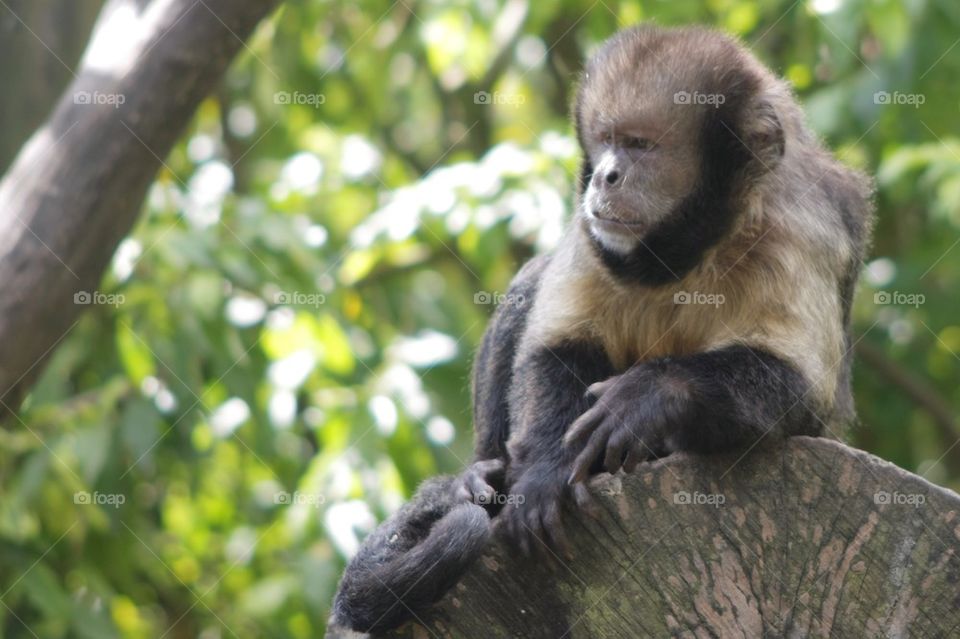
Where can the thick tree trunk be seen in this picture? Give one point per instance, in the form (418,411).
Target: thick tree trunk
(75,189)
(813,539)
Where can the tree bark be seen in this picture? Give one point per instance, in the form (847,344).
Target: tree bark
(76,187)
(40,44)
(811,539)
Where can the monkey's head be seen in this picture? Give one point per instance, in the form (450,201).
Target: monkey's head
(676,128)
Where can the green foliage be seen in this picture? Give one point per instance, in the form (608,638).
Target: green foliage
(288,350)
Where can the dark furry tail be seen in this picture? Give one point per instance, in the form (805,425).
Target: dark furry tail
(411,560)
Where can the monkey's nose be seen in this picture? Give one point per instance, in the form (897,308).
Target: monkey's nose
(612,177)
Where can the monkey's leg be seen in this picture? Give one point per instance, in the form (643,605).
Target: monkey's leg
(715,401)
(549,394)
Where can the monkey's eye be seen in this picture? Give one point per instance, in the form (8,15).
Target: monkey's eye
(640,144)
(606,137)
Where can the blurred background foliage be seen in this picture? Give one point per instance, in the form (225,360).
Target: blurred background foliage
(295,315)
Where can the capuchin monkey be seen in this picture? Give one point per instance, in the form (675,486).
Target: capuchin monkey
(699,301)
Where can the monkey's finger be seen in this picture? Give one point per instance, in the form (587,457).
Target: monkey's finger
(583,462)
(647,447)
(517,530)
(584,500)
(599,388)
(503,525)
(480,491)
(534,531)
(616,446)
(553,525)
(524,538)
(633,458)
(584,425)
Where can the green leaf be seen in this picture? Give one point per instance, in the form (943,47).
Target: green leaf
(134,354)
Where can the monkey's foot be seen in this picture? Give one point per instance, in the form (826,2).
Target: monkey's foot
(533,514)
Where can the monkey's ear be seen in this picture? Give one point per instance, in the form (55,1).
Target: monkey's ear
(763,133)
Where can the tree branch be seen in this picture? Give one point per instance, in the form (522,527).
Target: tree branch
(76,188)
(807,539)
(40,44)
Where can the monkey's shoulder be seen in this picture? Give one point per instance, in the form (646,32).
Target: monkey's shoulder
(513,308)
(527,279)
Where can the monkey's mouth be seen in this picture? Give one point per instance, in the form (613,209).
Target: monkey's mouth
(614,225)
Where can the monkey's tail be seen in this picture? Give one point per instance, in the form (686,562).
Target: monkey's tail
(411,560)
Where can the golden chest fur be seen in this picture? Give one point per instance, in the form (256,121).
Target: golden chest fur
(763,292)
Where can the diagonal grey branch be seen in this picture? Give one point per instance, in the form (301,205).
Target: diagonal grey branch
(67,201)
(41,43)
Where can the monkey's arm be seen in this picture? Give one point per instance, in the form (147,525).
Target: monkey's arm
(548,395)
(493,367)
(714,401)
(409,561)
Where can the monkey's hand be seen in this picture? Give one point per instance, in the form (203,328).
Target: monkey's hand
(480,482)
(627,424)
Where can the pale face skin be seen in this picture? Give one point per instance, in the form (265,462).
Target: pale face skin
(644,148)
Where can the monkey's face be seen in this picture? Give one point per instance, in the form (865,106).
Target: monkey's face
(643,165)
(667,120)
(642,146)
